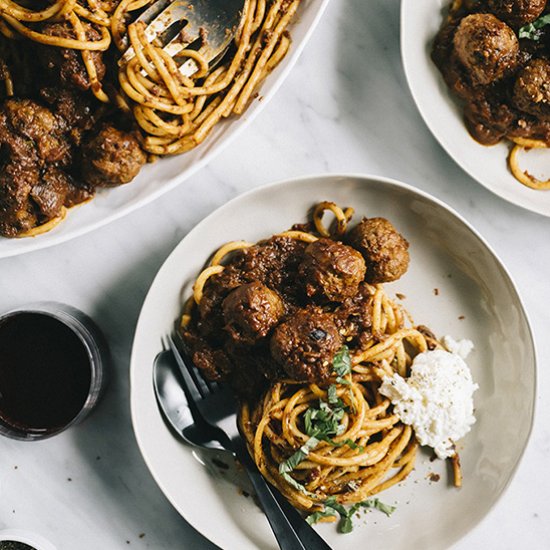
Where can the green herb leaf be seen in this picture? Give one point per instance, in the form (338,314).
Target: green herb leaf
(291,481)
(531,30)
(341,363)
(345,524)
(349,442)
(340,508)
(375,503)
(352,445)
(318,516)
(323,422)
(290,463)
(332,396)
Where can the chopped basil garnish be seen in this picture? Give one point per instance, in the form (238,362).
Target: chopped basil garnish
(352,445)
(322,423)
(316,517)
(345,525)
(341,364)
(332,396)
(291,481)
(290,463)
(375,503)
(531,30)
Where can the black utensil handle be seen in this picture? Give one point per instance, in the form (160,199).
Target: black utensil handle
(301,532)
(309,537)
(283,530)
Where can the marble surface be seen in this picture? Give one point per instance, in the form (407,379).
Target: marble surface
(345,108)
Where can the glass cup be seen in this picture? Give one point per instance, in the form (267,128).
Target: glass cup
(97,354)
(31,539)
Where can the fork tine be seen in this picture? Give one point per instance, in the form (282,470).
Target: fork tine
(165,19)
(194,392)
(199,381)
(176,12)
(153,11)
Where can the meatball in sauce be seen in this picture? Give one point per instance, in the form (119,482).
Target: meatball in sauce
(532,89)
(517,12)
(385,250)
(251,311)
(305,345)
(486,47)
(501,80)
(331,270)
(112,157)
(284,307)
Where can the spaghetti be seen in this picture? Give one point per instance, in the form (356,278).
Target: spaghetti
(372,450)
(175,112)
(519,173)
(334,438)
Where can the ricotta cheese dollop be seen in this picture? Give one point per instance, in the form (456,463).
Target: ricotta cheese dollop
(436,399)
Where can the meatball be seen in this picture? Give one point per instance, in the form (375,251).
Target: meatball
(33,147)
(66,64)
(25,122)
(385,250)
(331,270)
(273,262)
(17,213)
(532,89)
(112,157)
(251,311)
(76,108)
(517,12)
(305,344)
(486,47)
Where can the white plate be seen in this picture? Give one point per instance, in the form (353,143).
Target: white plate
(160,177)
(446,254)
(420,21)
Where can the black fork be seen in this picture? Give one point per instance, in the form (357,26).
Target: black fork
(214,409)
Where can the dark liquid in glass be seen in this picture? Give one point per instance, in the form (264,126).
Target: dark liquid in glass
(45,373)
(14,545)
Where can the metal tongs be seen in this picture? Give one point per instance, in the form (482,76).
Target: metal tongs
(206,26)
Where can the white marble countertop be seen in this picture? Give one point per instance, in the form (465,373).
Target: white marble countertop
(345,108)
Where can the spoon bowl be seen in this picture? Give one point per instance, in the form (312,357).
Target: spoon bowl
(173,403)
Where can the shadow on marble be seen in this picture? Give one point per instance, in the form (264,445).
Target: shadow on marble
(376,103)
(106,439)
